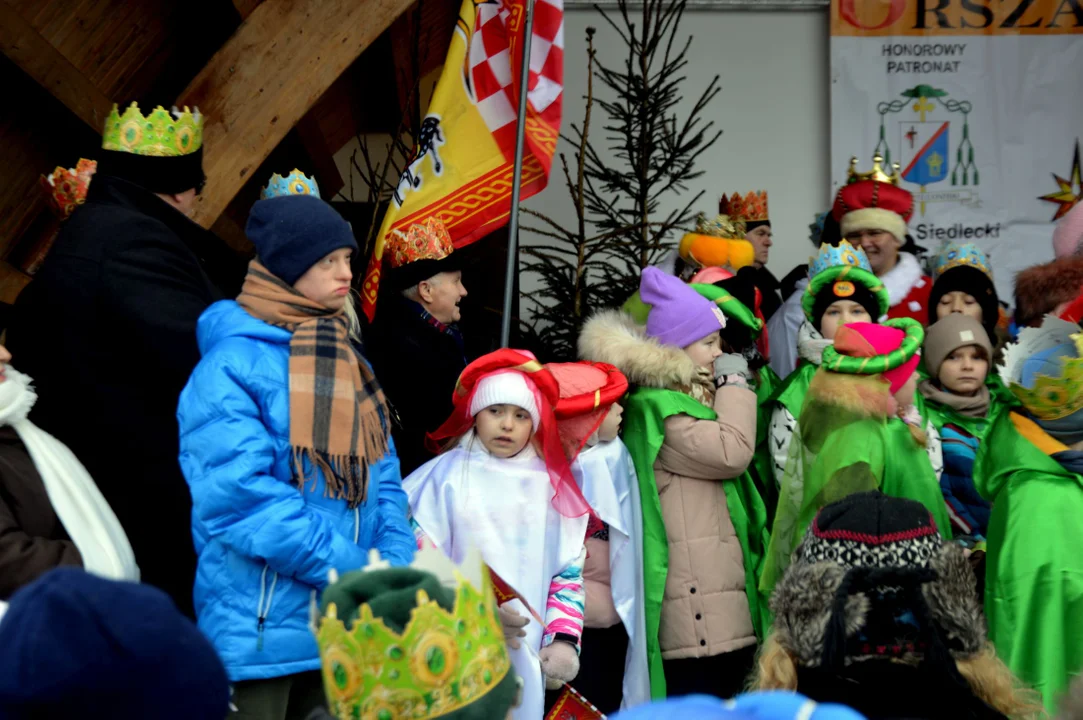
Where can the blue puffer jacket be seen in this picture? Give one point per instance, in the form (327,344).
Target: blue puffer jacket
(264,546)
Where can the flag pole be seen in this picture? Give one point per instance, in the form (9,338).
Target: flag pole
(513,219)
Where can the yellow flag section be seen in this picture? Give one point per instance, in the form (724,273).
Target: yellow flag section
(462,166)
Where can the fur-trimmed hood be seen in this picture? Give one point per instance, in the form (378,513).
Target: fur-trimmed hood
(803,599)
(1039,289)
(613,337)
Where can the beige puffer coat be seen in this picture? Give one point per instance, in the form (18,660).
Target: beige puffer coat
(704,610)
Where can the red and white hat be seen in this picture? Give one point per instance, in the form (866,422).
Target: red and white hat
(873,201)
(480,384)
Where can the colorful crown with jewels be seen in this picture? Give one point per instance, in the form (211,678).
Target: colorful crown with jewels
(1057,348)
(752,207)
(65,189)
(833,255)
(877,173)
(441,662)
(421,241)
(954,255)
(840,267)
(296,183)
(162,133)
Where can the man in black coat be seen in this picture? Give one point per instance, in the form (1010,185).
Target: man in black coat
(415,345)
(108,332)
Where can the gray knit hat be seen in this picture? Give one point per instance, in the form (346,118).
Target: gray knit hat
(947,335)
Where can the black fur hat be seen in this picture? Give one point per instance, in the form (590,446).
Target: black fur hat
(873,579)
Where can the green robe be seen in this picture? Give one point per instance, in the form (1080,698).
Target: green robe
(856,456)
(645,413)
(762,467)
(1034,558)
(791,392)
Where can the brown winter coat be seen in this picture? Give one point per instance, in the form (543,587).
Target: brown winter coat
(32,539)
(704,610)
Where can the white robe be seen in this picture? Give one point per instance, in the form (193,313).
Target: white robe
(503,507)
(608,480)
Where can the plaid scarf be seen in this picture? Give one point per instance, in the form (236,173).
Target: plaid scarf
(338,414)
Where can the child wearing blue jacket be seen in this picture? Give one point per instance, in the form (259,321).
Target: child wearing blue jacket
(286,447)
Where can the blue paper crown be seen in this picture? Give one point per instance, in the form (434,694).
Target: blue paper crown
(954,255)
(842,254)
(296,183)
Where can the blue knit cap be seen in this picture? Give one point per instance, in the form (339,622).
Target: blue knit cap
(293,233)
(75,645)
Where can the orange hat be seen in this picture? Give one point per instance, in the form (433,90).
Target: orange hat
(567,498)
(587,391)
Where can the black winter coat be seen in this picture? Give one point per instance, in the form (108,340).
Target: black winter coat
(418,366)
(107,331)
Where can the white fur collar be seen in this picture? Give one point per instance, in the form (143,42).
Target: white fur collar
(811,344)
(902,278)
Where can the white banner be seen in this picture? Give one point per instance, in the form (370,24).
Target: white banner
(980,102)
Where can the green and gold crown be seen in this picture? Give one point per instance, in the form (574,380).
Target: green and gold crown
(160,134)
(440,662)
(1050,358)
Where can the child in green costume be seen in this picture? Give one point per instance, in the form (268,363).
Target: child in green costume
(842,290)
(735,296)
(859,431)
(959,354)
(1030,467)
(690,426)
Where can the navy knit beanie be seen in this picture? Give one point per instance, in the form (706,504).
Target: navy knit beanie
(75,645)
(293,232)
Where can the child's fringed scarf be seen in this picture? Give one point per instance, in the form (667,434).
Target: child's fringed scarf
(338,413)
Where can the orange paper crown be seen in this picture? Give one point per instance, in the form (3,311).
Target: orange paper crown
(65,189)
(430,241)
(750,208)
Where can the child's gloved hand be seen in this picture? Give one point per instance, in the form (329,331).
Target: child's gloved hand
(513,624)
(559,663)
(731,369)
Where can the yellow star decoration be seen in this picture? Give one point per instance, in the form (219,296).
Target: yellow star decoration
(1071,191)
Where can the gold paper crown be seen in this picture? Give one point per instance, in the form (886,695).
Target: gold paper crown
(160,134)
(722,226)
(66,188)
(440,663)
(877,173)
(750,208)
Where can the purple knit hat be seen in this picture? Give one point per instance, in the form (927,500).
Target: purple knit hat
(679,315)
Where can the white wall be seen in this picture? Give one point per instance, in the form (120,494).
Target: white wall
(773,110)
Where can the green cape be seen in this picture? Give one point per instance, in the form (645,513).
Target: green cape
(645,413)
(854,456)
(1034,568)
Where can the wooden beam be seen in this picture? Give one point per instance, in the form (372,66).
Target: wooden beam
(26,47)
(245,7)
(323,157)
(267,76)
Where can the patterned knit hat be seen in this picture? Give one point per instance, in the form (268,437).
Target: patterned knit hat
(873,579)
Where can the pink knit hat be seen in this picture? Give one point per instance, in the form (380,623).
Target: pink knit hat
(866,340)
(679,315)
(1068,234)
